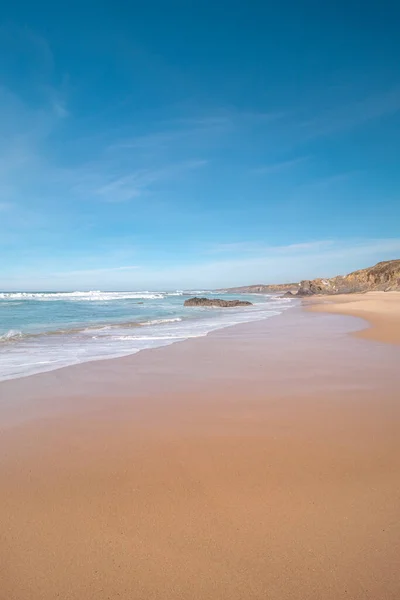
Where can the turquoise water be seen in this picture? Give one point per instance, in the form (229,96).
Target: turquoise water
(45,331)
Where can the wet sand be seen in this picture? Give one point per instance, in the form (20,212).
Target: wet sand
(262,461)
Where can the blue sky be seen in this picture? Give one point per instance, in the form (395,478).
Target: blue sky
(196,144)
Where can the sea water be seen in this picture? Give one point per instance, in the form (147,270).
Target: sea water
(43,331)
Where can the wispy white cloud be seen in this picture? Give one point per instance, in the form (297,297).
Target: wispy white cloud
(202,122)
(348,115)
(111,174)
(280,165)
(327,182)
(6,206)
(95,272)
(221,117)
(275,264)
(264,248)
(44,185)
(60,109)
(22,157)
(196,130)
(33,48)
(100,181)
(279,264)
(260,118)
(169,134)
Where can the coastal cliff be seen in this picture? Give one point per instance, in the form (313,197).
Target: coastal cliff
(263,288)
(384,276)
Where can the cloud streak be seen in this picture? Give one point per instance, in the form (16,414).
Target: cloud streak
(95,272)
(280,166)
(275,264)
(263,248)
(69,180)
(99,182)
(347,116)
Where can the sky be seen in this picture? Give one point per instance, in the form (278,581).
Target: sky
(191,144)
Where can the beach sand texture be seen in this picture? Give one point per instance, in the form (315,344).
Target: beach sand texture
(262,461)
(380,309)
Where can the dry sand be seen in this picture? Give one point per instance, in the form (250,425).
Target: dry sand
(380,309)
(260,462)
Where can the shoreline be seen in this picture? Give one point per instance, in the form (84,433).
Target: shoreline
(382,325)
(101,377)
(258,461)
(26,354)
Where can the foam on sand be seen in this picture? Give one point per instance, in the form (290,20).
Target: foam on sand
(29,353)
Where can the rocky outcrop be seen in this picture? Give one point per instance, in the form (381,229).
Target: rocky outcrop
(218,302)
(315,286)
(385,276)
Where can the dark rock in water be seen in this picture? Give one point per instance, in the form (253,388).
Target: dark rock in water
(218,302)
(139,302)
(289,295)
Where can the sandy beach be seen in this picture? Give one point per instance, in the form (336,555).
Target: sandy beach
(381,310)
(261,461)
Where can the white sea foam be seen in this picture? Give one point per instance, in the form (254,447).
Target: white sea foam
(10,335)
(198,292)
(81,296)
(142,338)
(162,321)
(98,329)
(29,354)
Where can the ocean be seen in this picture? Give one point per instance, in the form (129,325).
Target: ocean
(44,331)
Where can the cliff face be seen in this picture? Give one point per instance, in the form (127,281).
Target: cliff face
(264,289)
(385,276)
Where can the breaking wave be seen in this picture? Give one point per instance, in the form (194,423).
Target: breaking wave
(37,337)
(10,336)
(96,296)
(162,321)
